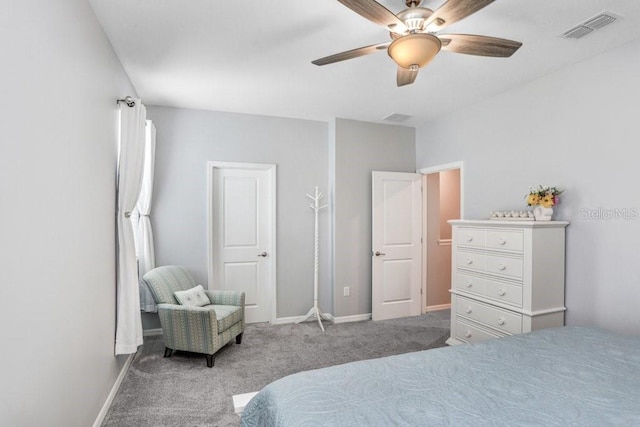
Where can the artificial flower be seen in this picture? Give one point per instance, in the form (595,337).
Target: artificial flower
(547,201)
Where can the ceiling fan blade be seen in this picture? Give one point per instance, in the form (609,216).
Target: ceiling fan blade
(472,44)
(349,54)
(455,10)
(405,77)
(376,13)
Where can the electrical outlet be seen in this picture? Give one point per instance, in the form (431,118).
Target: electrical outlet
(347,291)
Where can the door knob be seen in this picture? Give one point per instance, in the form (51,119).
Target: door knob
(263,254)
(378,253)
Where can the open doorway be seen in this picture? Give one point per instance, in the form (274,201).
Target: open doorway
(443,200)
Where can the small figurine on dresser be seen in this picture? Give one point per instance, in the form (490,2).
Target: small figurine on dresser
(512,215)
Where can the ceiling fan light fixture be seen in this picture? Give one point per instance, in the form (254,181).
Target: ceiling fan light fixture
(414,18)
(414,50)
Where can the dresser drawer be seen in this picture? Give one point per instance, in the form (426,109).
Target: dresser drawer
(472,237)
(511,267)
(502,320)
(500,291)
(470,260)
(470,333)
(468,283)
(505,292)
(505,240)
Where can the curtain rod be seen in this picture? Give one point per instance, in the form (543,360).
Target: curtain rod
(127,100)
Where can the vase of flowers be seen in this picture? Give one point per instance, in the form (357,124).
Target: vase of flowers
(544,198)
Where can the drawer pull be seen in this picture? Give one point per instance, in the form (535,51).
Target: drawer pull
(501,321)
(469,261)
(468,310)
(469,284)
(502,241)
(501,292)
(469,238)
(502,267)
(467,334)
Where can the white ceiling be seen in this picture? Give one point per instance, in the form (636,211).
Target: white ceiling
(255,56)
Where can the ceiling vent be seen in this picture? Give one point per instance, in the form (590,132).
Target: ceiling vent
(397,118)
(590,25)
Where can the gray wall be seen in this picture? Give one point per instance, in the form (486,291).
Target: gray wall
(59,82)
(188,139)
(576,128)
(358,149)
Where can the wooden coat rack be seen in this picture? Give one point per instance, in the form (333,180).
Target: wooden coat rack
(315,310)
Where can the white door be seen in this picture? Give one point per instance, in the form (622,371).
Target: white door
(396,245)
(242,234)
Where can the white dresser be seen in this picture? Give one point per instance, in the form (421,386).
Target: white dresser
(507,278)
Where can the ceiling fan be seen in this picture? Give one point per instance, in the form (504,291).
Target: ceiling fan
(414,42)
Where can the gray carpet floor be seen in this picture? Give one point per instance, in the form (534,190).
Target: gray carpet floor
(182,391)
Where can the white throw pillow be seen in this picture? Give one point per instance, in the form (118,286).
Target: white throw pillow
(194,297)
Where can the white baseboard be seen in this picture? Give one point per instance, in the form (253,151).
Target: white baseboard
(151,332)
(113,392)
(285,320)
(349,319)
(437,307)
(294,319)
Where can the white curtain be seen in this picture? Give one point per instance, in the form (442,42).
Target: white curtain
(144,234)
(130,168)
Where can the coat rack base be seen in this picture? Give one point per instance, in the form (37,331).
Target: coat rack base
(314,312)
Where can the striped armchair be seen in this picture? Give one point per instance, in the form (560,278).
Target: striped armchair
(196,329)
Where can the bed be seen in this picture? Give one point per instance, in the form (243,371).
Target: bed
(568,376)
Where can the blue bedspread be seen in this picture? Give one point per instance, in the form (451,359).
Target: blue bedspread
(566,376)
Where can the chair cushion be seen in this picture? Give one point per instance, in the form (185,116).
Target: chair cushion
(227,315)
(194,297)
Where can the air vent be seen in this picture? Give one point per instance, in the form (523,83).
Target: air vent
(577,32)
(398,118)
(591,24)
(600,21)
